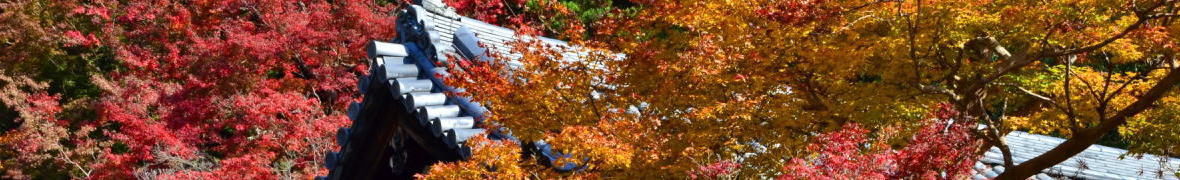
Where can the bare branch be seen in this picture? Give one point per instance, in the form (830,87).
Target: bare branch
(1042,98)
(1089,86)
(1124,85)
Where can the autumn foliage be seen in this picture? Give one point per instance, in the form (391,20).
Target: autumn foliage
(180,89)
(213,89)
(941,149)
(714,89)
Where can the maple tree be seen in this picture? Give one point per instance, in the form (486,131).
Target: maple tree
(752,82)
(179,89)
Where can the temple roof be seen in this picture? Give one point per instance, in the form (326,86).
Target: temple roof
(407,120)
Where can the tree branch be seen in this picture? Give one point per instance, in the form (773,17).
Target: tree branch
(304,71)
(1073,120)
(1045,99)
(1155,93)
(1124,85)
(1143,18)
(1087,137)
(1022,60)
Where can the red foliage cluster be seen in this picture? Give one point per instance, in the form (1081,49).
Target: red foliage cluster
(44,108)
(798,12)
(715,170)
(306,39)
(220,88)
(499,12)
(938,148)
(934,150)
(839,154)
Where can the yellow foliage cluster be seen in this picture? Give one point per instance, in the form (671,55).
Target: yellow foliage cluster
(490,160)
(706,81)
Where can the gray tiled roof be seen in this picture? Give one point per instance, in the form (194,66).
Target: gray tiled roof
(442,19)
(493,37)
(406,119)
(444,23)
(1096,162)
(498,38)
